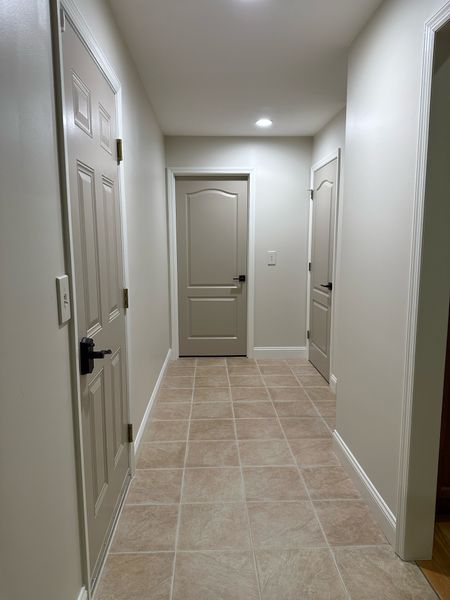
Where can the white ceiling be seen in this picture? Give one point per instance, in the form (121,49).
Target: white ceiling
(213,67)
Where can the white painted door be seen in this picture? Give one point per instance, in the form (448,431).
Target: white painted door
(321,283)
(90,127)
(212,256)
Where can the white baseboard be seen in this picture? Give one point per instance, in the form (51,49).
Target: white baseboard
(151,402)
(333,383)
(280,352)
(83,595)
(380,510)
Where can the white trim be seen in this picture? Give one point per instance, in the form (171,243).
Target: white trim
(280,352)
(383,514)
(431,27)
(333,383)
(83,595)
(151,402)
(172,173)
(335,155)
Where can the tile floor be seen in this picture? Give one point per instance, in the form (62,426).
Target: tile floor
(239,496)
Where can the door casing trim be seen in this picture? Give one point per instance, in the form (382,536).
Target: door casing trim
(335,155)
(172,173)
(86,36)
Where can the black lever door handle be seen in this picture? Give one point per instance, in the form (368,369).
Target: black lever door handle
(328,285)
(88,355)
(99,353)
(240,278)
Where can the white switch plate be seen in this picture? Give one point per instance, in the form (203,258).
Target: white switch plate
(63,292)
(271,258)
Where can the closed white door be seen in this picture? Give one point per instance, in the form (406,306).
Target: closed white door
(321,283)
(212,266)
(90,127)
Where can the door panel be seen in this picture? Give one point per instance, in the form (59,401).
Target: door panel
(322,245)
(212,251)
(90,126)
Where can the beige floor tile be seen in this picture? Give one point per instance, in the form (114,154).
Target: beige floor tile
(179,371)
(212,410)
(136,577)
(331,422)
(212,429)
(287,394)
(284,525)
(329,482)
(312,452)
(298,408)
(146,528)
(321,393)
(215,575)
(220,371)
(304,427)
(183,362)
(246,410)
(325,408)
(304,370)
(162,455)
(312,380)
(306,573)
(246,381)
(213,485)
(174,395)
(240,360)
(377,573)
(280,381)
(213,527)
(166,431)
(211,381)
(171,411)
(261,429)
(273,483)
(243,370)
(297,361)
(271,361)
(212,394)
(265,452)
(177,382)
(155,486)
(249,394)
(211,361)
(348,523)
(212,454)
(282,369)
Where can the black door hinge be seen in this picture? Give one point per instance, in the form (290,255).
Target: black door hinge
(308,334)
(311,194)
(119,150)
(126,299)
(309,266)
(130,433)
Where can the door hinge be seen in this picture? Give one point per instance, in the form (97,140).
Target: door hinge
(130,433)
(119,149)
(126,299)
(311,194)
(308,334)
(309,266)
(62,20)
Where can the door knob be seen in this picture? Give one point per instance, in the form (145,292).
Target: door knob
(328,285)
(88,355)
(240,278)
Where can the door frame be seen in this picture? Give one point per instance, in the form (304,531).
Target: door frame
(413,474)
(83,31)
(172,174)
(335,155)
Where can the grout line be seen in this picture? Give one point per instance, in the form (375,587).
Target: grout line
(252,546)
(310,499)
(177,532)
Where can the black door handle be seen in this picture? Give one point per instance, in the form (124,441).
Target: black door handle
(88,355)
(328,285)
(241,278)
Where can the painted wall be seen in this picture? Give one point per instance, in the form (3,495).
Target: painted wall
(282,167)
(327,141)
(38,499)
(384,79)
(145,211)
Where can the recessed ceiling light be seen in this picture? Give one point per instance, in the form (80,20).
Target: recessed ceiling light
(264,122)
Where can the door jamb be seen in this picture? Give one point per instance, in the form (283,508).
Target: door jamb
(172,173)
(83,31)
(336,154)
(409,402)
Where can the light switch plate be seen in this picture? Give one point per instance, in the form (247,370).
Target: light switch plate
(63,292)
(271,258)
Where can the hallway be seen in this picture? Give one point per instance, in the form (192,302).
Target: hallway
(239,496)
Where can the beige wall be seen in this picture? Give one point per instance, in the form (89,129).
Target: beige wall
(282,168)
(380,164)
(329,138)
(38,502)
(39,541)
